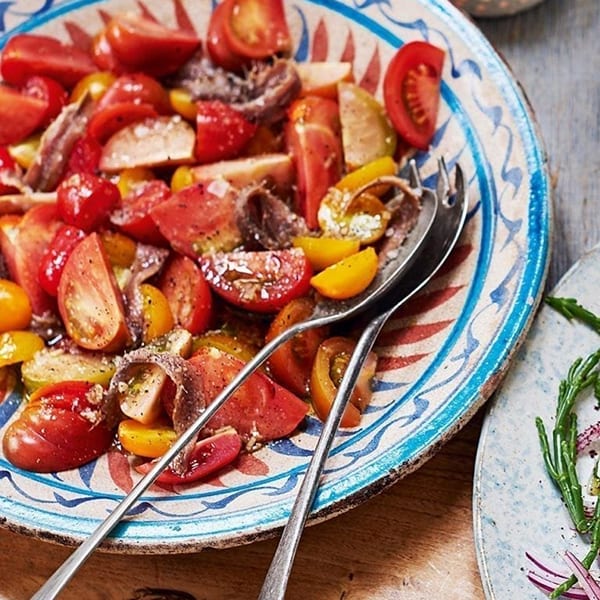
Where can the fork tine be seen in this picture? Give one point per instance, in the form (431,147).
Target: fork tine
(459,182)
(414,177)
(442,186)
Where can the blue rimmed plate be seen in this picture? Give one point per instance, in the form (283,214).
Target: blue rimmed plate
(442,356)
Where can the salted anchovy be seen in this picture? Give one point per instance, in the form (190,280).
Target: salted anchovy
(265,220)
(56,144)
(189,400)
(262,95)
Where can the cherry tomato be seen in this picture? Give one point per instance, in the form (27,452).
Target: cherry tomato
(144,45)
(328,369)
(199,219)
(15,308)
(221,131)
(323,252)
(411,91)
(108,120)
(86,201)
(262,281)
(95,84)
(149,441)
(25,151)
(256,29)
(138,88)
(18,346)
(232,344)
(158,318)
(187,293)
(182,103)
(55,256)
(313,137)
(322,78)
(23,243)
(120,249)
(61,428)
(27,54)
(49,91)
(128,179)
(260,409)
(7,164)
(209,456)
(216,42)
(292,362)
(104,56)
(134,217)
(84,157)
(31,111)
(89,300)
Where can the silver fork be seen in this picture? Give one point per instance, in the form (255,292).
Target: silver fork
(446,228)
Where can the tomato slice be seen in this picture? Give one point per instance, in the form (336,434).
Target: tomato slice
(262,281)
(187,293)
(291,363)
(216,42)
(313,137)
(208,456)
(138,88)
(84,157)
(32,112)
(256,29)
(60,428)
(49,91)
(113,117)
(411,91)
(28,54)
(259,410)
(144,45)
(221,131)
(89,300)
(327,372)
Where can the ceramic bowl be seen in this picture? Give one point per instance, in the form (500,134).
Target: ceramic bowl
(495,8)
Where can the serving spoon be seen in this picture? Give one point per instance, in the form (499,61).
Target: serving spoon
(325,313)
(446,228)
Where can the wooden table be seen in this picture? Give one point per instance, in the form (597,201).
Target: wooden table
(415,540)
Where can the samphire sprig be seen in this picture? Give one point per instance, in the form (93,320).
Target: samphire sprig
(560,457)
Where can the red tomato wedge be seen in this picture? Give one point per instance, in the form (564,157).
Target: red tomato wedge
(113,117)
(60,428)
(138,88)
(208,456)
(313,137)
(216,42)
(188,294)
(256,29)
(411,91)
(89,300)
(32,112)
(27,54)
(144,45)
(261,281)
(260,409)
(221,131)
(85,157)
(49,91)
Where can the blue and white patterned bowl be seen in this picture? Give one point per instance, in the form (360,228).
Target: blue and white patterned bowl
(440,358)
(495,8)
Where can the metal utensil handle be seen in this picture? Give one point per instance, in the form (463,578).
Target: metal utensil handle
(275,582)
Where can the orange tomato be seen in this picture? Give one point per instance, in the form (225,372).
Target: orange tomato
(158,318)
(149,441)
(15,307)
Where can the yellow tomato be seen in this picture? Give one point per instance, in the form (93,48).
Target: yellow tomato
(94,84)
(149,441)
(226,342)
(325,251)
(182,103)
(119,248)
(182,177)
(24,152)
(17,346)
(15,308)
(128,178)
(158,318)
(348,277)
(360,177)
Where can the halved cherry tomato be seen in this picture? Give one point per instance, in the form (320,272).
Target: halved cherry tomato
(208,456)
(49,91)
(411,90)
(89,300)
(61,427)
(55,256)
(134,217)
(27,54)
(95,84)
(313,137)
(232,344)
(187,293)
(15,308)
(216,42)
(31,111)
(259,410)
(323,252)
(149,441)
(85,157)
(221,131)
(182,103)
(145,45)
(158,318)
(120,249)
(138,88)
(108,120)
(128,179)
(25,151)
(291,363)
(329,367)
(104,56)
(348,277)
(86,201)
(9,166)
(262,281)
(256,29)
(18,346)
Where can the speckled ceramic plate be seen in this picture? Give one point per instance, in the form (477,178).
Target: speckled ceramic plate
(516,507)
(440,359)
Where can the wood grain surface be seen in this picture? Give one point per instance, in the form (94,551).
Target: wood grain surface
(414,541)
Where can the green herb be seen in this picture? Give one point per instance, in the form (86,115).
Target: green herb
(560,457)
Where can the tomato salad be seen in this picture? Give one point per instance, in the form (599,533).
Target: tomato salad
(167,204)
